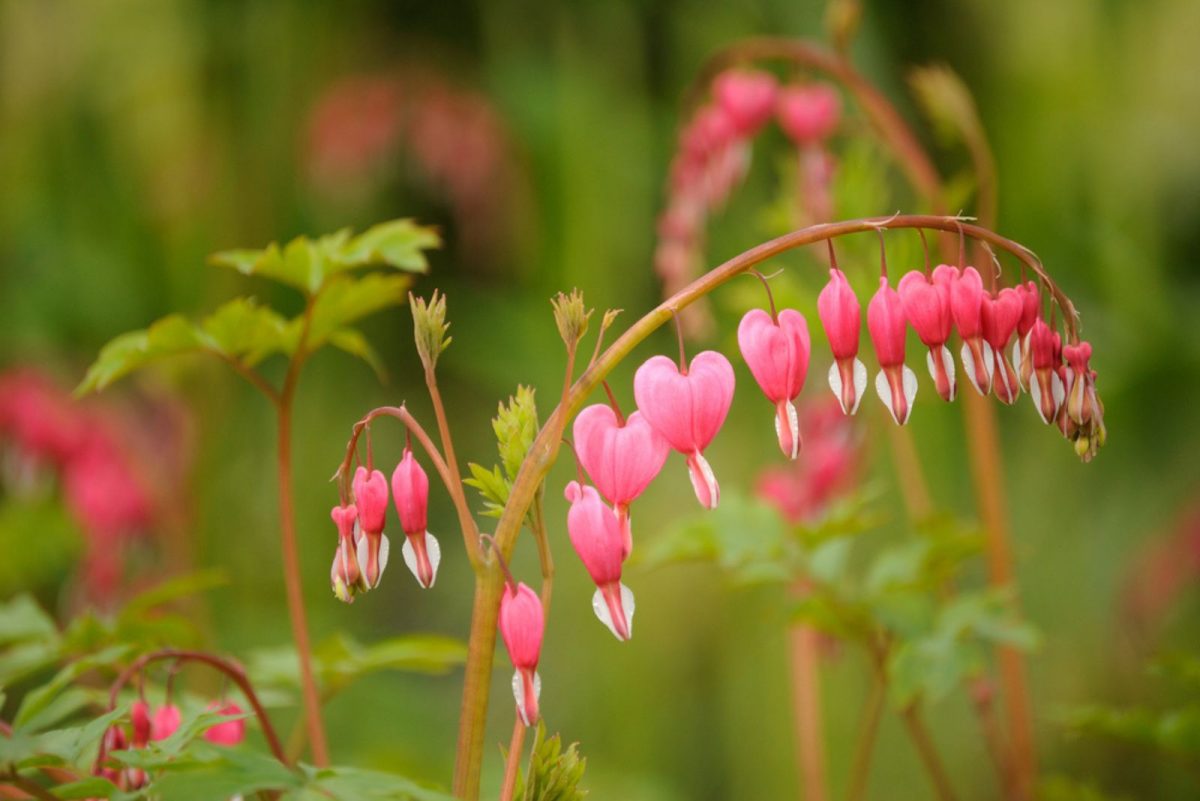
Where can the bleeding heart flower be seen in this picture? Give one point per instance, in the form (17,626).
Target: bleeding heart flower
(522,624)
(344,575)
(621,458)
(896,383)
(809,114)
(227,732)
(371,498)
(166,721)
(1031,311)
(597,537)
(1045,385)
(410,493)
(841,317)
(777,352)
(747,97)
(688,409)
(139,718)
(966,305)
(927,307)
(999,317)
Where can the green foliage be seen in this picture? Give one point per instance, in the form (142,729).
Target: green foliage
(554,774)
(571,316)
(516,426)
(45,522)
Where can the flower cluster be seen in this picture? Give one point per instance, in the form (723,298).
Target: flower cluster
(362,550)
(714,155)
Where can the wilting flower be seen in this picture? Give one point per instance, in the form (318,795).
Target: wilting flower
(777,353)
(227,732)
(621,458)
(166,721)
(966,305)
(1000,315)
(841,317)
(344,575)
(522,623)
(808,113)
(597,537)
(1045,385)
(371,498)
(747,97)
(927,307)
(688,409)
(896,383)
(410,492)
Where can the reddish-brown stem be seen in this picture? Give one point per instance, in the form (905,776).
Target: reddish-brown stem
(228,668)
(915,726)
(612,402)
(411,427)
(770,297)
(860,770)
(806,703)
(27,788)
(512,764)
(454,487)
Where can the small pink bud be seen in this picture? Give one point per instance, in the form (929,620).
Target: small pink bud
(598,539)
(841,317)
(371,499)
(688,409)
(621,459)
(777,353)
(1045,386)
(810,113)
(896,384)
(410,492)
(966,304)
(1000,316)
(522,624)
(344,575)
(747,97)
(927,307)
(139,719)
(166,721)
(227,732)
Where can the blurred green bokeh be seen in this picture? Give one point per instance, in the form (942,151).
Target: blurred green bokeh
(138,136)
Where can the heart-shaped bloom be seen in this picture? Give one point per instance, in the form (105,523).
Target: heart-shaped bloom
(896,383)
(1000,315)
(410,493)
(1083,406)
(227,732)
(809,114)
(777,353)
(1045,385)
(620,458)
(688,409)
(747,97)
(344,575)
(371,499)
(966,305)
(165,722)
(522,624)
(1031,309)
(597,537)
(841,317)
(927,306)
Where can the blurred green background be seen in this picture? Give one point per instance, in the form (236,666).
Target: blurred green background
(137,136)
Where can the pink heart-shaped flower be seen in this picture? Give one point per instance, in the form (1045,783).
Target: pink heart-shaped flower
(688,409)
(621,460)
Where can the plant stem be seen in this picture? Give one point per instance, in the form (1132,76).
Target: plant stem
(860,770)
(477,681)
(455,487)
(928,752)
(515,746)
(981,699)
(806,702)
(28,788)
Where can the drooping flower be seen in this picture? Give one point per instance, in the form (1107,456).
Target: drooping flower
(140,724)
(966,305)
(344,575)
(410,492)
(166,721)
(1082,404)
(808,114)
(777,353)
(896,383)
(1031,306)
(1000,315)
(522,623)
(1045,387)
(927,307)
(841,317)
(747,97)
(597,537)
(227,732)
(371,498)
(620,458)
(688,408)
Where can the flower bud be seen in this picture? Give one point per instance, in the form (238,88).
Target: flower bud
(1000,316)
(809,114)
(429,327)
(571,317)
(139,719)
(1045,387)
(841,317)
(410,492)
(344,575)
(927,306)
(166,721)
(966,306)
(522,623)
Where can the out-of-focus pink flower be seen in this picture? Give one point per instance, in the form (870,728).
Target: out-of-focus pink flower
(227,732)
(841,317)
(803,490)
(777,353)
(344,575)
(39,418)
(896,383)
(410,492)
(1000,315)
(747,97)
(139,719)
(1164,569)
(809,113)
(165,722)
(522,623)
(599,541)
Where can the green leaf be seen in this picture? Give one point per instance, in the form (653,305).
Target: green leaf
(241,329)
(516,425)
(173,335)
(173,589)
(92,787)
(399,243)
(352,784)
(349,299)
(213,773)
(22,619)
(492,485)
(554,774)
(44,520)
(37,700)
(265,263)
(352,341)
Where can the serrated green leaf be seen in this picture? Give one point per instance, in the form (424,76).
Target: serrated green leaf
(213,773)
(35,701)
(554,774)
(268,262)
(173,589)
(173,335)
(348,299)
(242,329)
(516,425)
(398,243)
(352,341)
(492,485)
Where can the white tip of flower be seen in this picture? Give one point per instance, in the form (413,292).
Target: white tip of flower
(947,367)
(385,547)
(1016,357)
(1038,394)
(860,385)
(704,482)
(982,381)
(528,716)
(789,440)
(433,552)
(883,389)
(1058,390)
(363,553)
(601,606)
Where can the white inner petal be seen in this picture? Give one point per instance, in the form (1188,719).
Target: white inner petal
(793,427)
(385,546)
(909,379)
(860,383)
(435,555)
(600,607)
(884,391)
(968,363)
(835,384)
(362,552)
(1035,394)
(709,485)
(989,361)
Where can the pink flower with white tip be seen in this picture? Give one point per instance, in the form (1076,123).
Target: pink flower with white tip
(522,624)
(896,383)
(777,351)
(966,304)
(841,317)
(688,408)
(1045,386)
(410,492)
(747,97)
(227,732)
(621,457)
(1000,315)
(926,303)
(809,114)
(344,575)
(597,537)
(371,499)
(1031,309)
